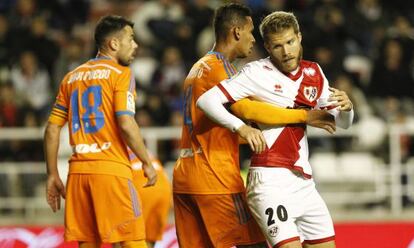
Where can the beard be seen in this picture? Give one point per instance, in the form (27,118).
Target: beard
(124,62)
(286,68)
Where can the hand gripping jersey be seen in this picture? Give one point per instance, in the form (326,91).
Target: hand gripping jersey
(208,161)
(287,145)
(89,99)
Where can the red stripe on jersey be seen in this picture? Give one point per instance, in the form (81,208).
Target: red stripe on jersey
(318,241)
(295,76)
(284,152)
(231,100)
(285,242)
(329,107)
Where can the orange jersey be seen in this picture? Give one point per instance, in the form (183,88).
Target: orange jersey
(90,98)
(209,155)
(156,200)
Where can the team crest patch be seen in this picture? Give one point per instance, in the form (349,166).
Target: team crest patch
(310,92)
(130,102)
(309,71)
(273,231)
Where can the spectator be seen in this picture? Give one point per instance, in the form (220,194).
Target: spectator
(9,110)
(45,49)
(71,56)
(391,76)
(157,109)
(155,20)
(5,43)
(171,72)
(31,83)
(366,23)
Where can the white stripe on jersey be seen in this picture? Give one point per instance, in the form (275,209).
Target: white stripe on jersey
(96,65)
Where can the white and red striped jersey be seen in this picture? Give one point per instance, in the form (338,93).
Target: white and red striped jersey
(307,87)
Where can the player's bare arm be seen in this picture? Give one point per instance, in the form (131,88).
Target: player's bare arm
(268,114)
(131,134)
(54,187)
(321,119)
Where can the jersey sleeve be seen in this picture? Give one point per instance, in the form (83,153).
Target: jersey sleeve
(268,114)
(343,119)
(241,85)
(323,102)
(124,94)
(60,109)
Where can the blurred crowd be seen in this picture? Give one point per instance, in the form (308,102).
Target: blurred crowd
(365,47)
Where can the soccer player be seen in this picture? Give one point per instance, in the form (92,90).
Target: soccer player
(209,196)
(280,190)
(156,200)
(97,101)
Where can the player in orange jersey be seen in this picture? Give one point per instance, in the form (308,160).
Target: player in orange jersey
(156,200)
(209,197)
(97,101)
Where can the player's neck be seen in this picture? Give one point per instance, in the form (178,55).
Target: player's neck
(103,54)
(225,49)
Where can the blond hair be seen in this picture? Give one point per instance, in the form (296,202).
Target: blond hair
(278,21)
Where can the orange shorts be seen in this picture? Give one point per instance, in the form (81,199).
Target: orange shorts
(219,221)
(156,203)
(102,208)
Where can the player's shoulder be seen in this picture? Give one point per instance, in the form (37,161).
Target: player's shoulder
(212,65)
(213,60)
(308,63)
(108,64)
(310,67)
(257,66)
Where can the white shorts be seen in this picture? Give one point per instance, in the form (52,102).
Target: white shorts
(288,207)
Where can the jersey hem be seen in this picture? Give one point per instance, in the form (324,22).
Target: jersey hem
(318,241)
(286,241)
(185,192)
(290,167)
(100,167)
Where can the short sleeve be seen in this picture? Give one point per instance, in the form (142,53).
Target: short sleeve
(124,94)
(59,113)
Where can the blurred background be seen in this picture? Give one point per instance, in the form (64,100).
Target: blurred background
(365,47)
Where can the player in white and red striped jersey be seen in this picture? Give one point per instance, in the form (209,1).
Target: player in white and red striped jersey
(281,192)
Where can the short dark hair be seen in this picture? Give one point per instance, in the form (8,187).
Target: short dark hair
(228,16)
(278,21)
(108,25)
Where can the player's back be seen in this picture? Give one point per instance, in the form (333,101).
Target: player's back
(208,161)
(93,95)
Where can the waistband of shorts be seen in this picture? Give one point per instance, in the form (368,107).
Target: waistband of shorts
(100,167)
(284,170)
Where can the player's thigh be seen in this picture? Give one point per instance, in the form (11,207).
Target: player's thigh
(117,209)
(329,244)
(316,223)
(228,220)
(189,225)
(80,222)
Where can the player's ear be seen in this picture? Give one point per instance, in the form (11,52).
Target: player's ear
(236,32)
(267,47)
(300,37)
(113,44)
